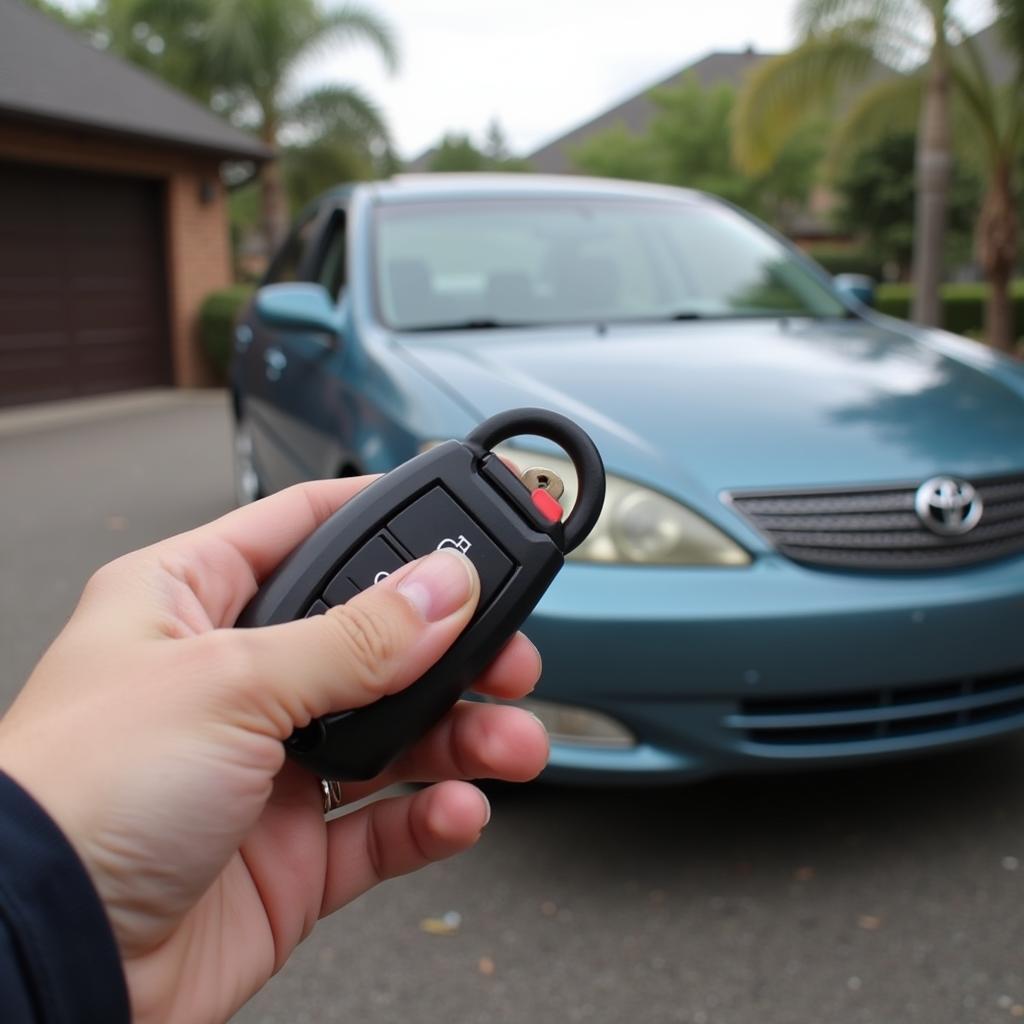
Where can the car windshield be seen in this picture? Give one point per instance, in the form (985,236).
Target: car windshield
(485,263)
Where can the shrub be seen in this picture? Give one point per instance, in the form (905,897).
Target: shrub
(963,305)
(217,322)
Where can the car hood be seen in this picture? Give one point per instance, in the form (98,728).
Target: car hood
(746,403)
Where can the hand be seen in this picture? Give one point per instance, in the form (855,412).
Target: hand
(152,735)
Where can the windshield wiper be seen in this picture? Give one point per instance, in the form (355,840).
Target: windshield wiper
(473,324)
(657,318)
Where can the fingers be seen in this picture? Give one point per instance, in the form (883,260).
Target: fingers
(229,558)
(473,741)
(265,531)
(203,578)
(377,643)
(399,835)
(514,673)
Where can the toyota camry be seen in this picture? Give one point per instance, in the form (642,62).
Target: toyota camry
(812,546)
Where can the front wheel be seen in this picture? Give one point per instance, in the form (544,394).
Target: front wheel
(247,481)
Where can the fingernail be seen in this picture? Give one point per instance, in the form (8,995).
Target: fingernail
(487,808)
(537,719)
(440,585)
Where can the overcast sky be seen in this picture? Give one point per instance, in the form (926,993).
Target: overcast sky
(544,66)
(539,66)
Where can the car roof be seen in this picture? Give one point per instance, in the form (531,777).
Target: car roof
(464,185)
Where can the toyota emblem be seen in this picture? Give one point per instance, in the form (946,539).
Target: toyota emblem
(947,506)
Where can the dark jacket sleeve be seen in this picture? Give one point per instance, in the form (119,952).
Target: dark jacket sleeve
(59,963)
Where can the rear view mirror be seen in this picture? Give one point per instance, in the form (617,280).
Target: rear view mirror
(299,306)
(856,286)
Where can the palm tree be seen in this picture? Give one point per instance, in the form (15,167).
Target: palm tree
(988,117)
(241,58)
(993,117)
(845,44)
(999,121)
(989,120)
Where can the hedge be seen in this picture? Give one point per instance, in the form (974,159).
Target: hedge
(217,324)
(963,305)
(844,259)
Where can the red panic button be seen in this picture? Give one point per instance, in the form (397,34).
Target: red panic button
(546,505)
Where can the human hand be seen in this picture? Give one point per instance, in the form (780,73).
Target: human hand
(152,735)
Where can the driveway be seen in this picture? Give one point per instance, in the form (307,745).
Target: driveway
(887,895)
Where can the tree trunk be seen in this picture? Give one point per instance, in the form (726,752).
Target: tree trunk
(273,198)
(933,165)
(996,245)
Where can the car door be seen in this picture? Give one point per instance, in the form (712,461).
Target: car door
(318,370)
(346,399)
(312,378)
(265,377)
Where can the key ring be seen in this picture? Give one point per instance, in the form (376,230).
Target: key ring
(577,445)
(330,793)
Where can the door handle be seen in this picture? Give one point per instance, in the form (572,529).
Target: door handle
(274,363)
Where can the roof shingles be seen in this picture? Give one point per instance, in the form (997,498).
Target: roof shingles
(48,73)
(637,112)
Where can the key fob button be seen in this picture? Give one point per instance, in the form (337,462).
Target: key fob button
(436,521)
(339,590)
(316,608)
(374,561)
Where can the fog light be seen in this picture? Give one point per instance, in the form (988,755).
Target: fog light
(581,727)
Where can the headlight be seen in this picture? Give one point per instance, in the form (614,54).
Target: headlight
(638,526)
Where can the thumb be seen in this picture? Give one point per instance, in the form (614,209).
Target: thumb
(379,642)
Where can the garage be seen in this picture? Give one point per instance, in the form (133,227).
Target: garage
(82,303)
(113,218)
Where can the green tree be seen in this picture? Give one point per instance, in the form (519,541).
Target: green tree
(495,144)
(311,170)
(241,56)
(618,153)
(875,189)
(688,143)
(844,44)
(497,153)
(457,152)
(988,120)
(997,122)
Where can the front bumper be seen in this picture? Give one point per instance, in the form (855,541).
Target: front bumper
(779,666)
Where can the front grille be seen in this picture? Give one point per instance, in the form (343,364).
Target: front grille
(880,714)
(877,528)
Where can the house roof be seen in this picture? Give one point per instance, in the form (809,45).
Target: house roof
(636,112)
(48,73)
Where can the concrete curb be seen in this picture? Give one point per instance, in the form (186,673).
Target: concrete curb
(54,415)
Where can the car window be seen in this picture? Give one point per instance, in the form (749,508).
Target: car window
(288,262)
(332,269)
(532,261)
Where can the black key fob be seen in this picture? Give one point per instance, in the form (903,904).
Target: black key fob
(460,495)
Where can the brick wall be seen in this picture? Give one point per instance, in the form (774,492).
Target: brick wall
(198,261)
(198,254)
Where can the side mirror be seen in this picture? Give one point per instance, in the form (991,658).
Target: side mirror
(299,306)
(856,286)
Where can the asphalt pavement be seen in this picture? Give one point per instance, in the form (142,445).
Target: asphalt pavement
(889,895)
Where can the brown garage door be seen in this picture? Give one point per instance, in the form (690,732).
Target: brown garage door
(82,295)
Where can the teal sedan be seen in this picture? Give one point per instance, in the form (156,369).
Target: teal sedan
(812,546)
